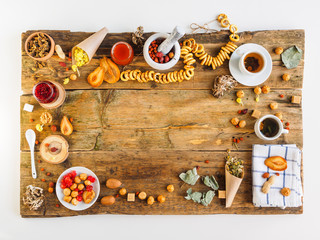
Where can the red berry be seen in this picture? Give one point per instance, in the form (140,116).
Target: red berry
(161,59)
(206,161)
(91,179)
(239,111)
(281,95)
(74,173)
(287,128)
(57,205)
(287,124)
(159,54)
(89,188)
(76,189)
(166,59)
(79,198)
(80,192)
(277,174)
(241,139)
(63,186)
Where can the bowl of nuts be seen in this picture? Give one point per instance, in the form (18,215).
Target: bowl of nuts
(156,59)
(39,46)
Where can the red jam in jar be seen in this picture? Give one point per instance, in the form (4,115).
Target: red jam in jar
(45,92)
(122,53)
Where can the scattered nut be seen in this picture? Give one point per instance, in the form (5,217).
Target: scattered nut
(123,191)
(170,188)
(67,199)
(73,77)
(285,191)
(74,186)
(74,201)
(278,50)
(274,105)
(50,190)
(108,200)
(267,185)
(235,121)
(87,182)
(242,123)
(66,191)
(279,115)
(77,180)
(83,176)
(161,199)
(74,194)
(265,89)
(142,195)
(257,90)
(240,94)
(286,77)
(81,186)
(150,200)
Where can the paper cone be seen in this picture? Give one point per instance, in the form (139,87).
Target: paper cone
(91,44)
(232,186)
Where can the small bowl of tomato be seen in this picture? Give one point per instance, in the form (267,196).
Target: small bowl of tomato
(157,59)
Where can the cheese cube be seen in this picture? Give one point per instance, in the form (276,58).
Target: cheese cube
(131,197)
(28,107)
(221,194)
(296,99)
(256,114)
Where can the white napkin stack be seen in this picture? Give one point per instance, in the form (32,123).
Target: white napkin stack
(290,178)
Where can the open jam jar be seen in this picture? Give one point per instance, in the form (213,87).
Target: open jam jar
(45,92)
(122,53)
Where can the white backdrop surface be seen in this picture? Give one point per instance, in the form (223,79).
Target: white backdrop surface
(121,16)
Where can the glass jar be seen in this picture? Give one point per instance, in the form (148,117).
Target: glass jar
(45,92)
(122,53)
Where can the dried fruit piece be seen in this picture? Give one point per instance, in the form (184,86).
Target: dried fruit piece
(276,163)
(73,77)
(65,126)
(161,199)
(266,175)
(285,192)
(123,191)
(265,89)
(170,188)
(242,123)
(235,121)
(88,196)
(286,77)
(62,64)
(112,72)
(240,94)
(113,183)
(278,50)
(95,79)
(274,105)
(108,200)
(50,190)
(142,195)
(150,200)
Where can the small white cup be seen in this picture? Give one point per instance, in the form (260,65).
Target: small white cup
(242,66)
(259,133)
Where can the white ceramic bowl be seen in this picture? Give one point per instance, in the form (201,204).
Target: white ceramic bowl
(160,66)
(81,206)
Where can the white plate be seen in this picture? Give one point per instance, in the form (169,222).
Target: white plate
(81,206)
(246,79)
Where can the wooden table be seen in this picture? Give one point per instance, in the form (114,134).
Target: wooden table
(147,134)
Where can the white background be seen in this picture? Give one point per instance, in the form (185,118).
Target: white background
(162,15)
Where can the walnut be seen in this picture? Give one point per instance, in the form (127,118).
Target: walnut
(45,118)
(285,191)
(242,123)
(235,121)
(265,89)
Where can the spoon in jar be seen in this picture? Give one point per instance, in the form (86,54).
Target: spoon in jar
(31,139)
(177,33)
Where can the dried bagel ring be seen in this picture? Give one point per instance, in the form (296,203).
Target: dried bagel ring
(135,73)
(156,77)
(225,22)
(234,37)
(131,75)
(139,77)
(151,75)
(124,76)
(233,28)
(221,16)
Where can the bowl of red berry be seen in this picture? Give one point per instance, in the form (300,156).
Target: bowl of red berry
(78,188)
(156,59)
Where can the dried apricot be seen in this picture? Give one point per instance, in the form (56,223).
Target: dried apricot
(276,163)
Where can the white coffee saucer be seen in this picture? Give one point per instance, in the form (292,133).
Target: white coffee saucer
(246,79)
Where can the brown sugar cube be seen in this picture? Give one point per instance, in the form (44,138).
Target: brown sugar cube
(221,194)
(296,99)
(256,114)
(131,197)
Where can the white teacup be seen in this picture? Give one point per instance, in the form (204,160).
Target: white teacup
(242,60)
(261,135)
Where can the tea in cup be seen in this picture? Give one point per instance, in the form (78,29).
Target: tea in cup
(252,62)
(269,127)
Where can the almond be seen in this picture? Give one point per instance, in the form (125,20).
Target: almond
(108,200)
(113,183)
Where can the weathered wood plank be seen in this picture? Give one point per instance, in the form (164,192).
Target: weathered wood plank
(149,171)
(202,79)
(168,119)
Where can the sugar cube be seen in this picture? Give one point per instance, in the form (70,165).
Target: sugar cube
(131,197)
(28,107)
(296,99)
(221,194)
(256,113)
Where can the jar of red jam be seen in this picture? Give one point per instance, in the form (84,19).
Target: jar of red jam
(45,92)
(122,53)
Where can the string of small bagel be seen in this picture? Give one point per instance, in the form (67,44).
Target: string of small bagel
(189,49)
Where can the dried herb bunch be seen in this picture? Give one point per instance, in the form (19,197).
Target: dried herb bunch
(39,46)
(137,36)
(222,84)
(234,166)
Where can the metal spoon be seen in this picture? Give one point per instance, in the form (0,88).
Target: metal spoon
(177,33)
(31,139)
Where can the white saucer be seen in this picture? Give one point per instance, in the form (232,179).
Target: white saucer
(246,79)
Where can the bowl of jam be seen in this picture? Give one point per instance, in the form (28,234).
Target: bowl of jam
(45,92)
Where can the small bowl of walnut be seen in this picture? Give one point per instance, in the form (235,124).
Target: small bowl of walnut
(39,46)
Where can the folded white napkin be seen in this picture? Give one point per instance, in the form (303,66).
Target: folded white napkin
(289,178)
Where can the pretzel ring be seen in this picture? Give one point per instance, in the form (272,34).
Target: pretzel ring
(124,76)
(234,37)
(225,22)
(221,16)
(233,28)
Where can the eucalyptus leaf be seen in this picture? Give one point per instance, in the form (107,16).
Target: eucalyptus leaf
(211,182)
(291,57)
(196,196)
(207,197)
(190,177)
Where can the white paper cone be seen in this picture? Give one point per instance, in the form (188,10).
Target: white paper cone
(232,186)
(91,44)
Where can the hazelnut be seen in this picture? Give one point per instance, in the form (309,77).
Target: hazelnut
(50,190)
(242,123)
(285,191)
(87,182)
(286,77)
(122,191)
(74,201)
(235,121)
(73,77)
(77,179)
(80,186)
(170,188)
(150,200)
(74,186)
(274,105)
(142,195)
(67,199)
(161,199)
(240,94)
(279,115)
(265,89)
(257,90)
(278,50)
(74,194)
(83,176)
(66,191)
